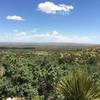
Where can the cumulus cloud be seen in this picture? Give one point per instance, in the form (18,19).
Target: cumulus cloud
(34,30)
(48,37)
(14,18)
(15,30)
(51,8)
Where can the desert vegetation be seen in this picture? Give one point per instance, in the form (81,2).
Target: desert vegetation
(50,74)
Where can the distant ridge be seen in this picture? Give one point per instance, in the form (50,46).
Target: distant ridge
(32,45)
(43,43)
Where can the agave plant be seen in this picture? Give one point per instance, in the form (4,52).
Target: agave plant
(79,86)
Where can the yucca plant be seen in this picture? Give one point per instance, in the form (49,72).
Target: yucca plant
(78,86)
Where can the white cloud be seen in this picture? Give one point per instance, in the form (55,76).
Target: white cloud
(20,34)
(15,30)
(51,8)
(48,37)
(34,30)
(14,18)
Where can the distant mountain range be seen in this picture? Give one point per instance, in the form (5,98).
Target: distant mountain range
(31,45)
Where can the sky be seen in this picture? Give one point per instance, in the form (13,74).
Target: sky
(73,21)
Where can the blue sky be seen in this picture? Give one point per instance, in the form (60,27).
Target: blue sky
(50,21)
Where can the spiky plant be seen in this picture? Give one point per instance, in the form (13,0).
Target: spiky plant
(79,86)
